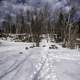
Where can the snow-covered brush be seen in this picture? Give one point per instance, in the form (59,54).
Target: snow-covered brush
(53,47)
(32,46)
(26,48)
(44,45)
(0,43)
(20,52)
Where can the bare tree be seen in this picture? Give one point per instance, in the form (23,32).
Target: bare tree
(70,29)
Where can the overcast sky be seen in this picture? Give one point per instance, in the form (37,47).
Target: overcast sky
(10,6)
(55,4)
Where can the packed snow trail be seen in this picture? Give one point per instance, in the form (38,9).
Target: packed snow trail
(39,63)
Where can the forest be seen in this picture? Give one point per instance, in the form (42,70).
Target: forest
(34,23)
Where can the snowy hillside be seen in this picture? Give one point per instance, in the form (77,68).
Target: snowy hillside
(39,40)
(39,63)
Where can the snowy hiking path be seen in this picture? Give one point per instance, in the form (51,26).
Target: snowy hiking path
(38,63)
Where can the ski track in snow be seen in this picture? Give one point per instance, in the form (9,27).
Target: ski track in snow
(38,63)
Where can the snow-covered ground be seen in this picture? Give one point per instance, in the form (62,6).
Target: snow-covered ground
(38,63)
